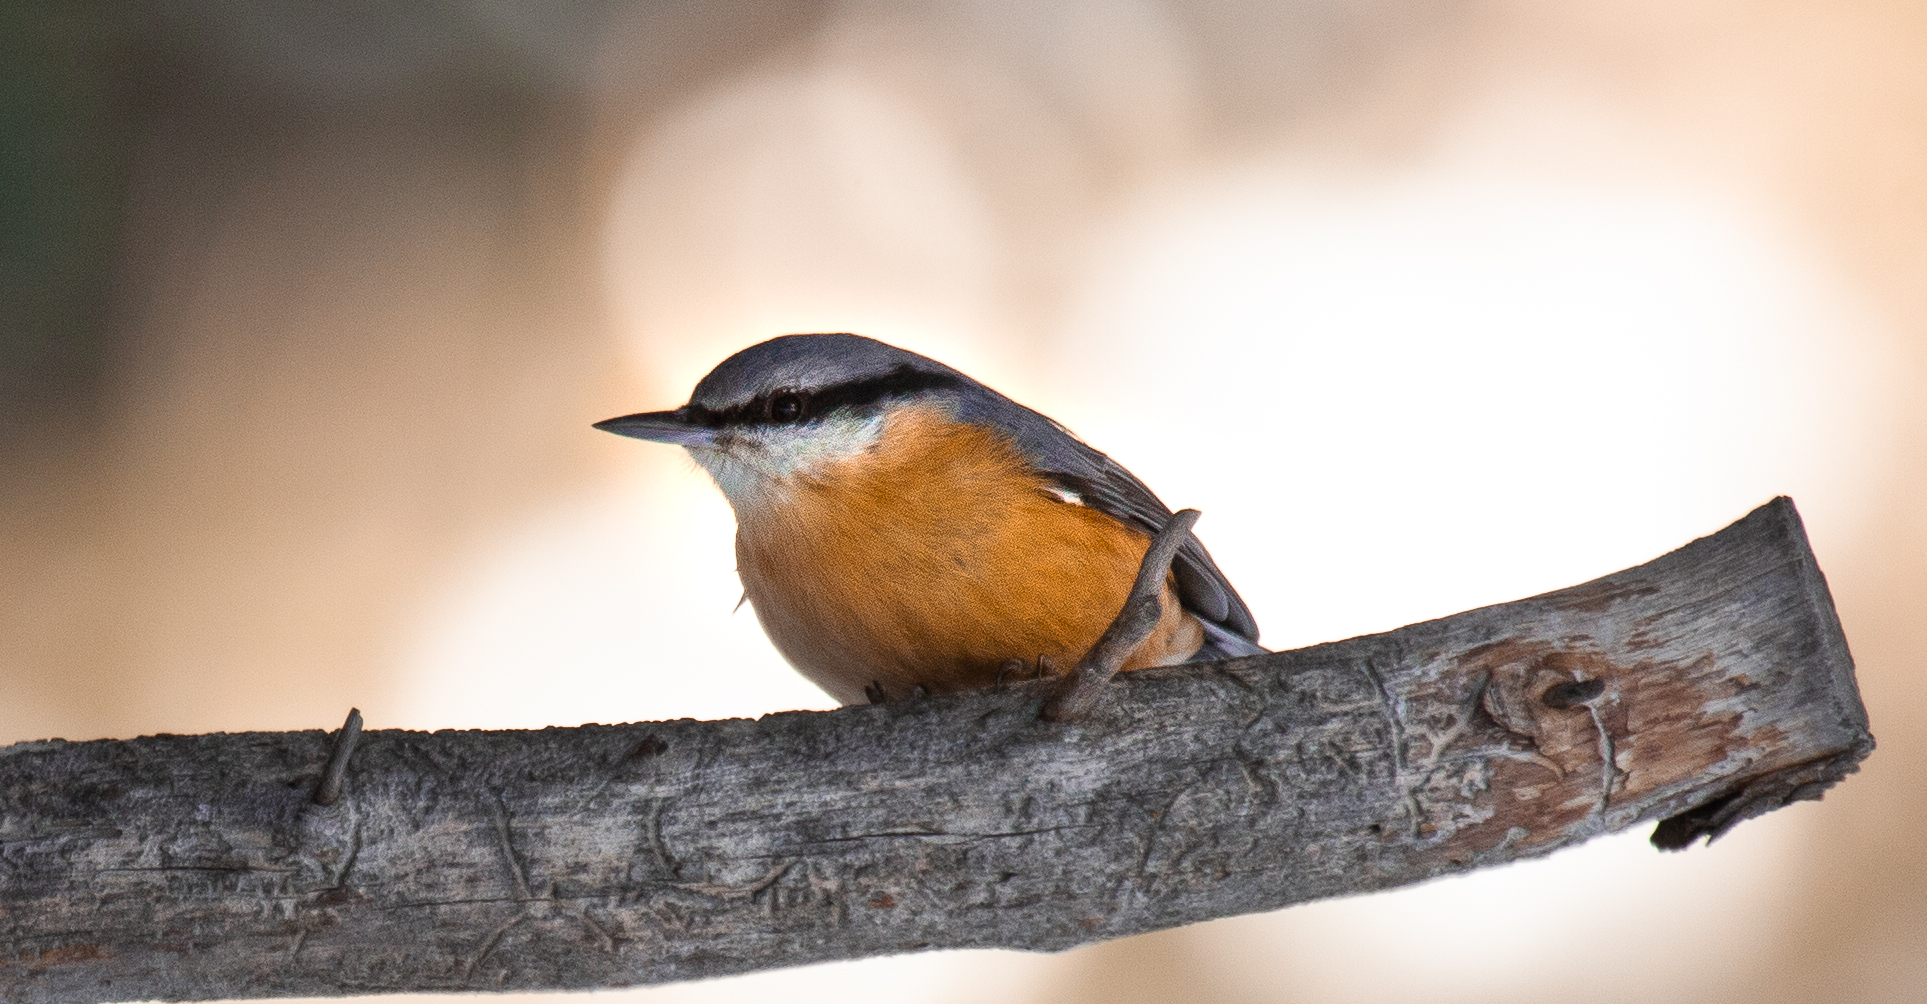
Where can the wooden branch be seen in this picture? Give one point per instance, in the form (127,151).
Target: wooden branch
(1702,688)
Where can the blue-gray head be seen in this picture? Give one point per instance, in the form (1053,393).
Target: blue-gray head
(787,405)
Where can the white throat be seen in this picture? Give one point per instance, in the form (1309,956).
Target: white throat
(757,465)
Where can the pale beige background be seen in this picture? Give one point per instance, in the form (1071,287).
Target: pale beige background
(1425,305)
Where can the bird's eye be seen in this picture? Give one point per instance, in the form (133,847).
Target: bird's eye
(785,406)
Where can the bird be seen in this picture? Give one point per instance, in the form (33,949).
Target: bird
(902,529)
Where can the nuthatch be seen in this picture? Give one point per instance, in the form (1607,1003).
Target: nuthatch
(902,526)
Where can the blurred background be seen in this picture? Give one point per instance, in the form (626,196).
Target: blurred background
(305,311)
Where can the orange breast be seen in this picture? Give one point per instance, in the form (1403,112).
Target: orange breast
(934,558)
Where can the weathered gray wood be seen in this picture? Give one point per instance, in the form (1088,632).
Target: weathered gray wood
(1704,687)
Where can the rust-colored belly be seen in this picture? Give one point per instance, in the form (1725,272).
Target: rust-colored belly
(932,560)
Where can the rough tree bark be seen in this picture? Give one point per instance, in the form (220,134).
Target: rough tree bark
(1699,689)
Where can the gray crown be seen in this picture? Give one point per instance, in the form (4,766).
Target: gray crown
(806,362)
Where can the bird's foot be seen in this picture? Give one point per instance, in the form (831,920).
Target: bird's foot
(876,695)
(1017,670)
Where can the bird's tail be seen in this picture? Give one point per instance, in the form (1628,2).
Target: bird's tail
(1222,643)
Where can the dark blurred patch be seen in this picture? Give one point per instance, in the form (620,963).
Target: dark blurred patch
(74,102)
(119,116)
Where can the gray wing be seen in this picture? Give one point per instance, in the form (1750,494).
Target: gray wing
(1106,486)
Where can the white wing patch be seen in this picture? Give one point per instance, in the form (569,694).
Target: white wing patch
(1064,495)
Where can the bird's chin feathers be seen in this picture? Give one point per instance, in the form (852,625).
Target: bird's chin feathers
(754,465)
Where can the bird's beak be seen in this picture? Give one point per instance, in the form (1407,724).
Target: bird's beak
(660,427)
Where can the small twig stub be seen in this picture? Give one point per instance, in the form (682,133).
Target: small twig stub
(328,791)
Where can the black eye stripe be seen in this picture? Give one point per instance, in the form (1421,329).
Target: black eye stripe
(762,409)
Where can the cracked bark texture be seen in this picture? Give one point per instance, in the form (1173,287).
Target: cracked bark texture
(1702,688)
